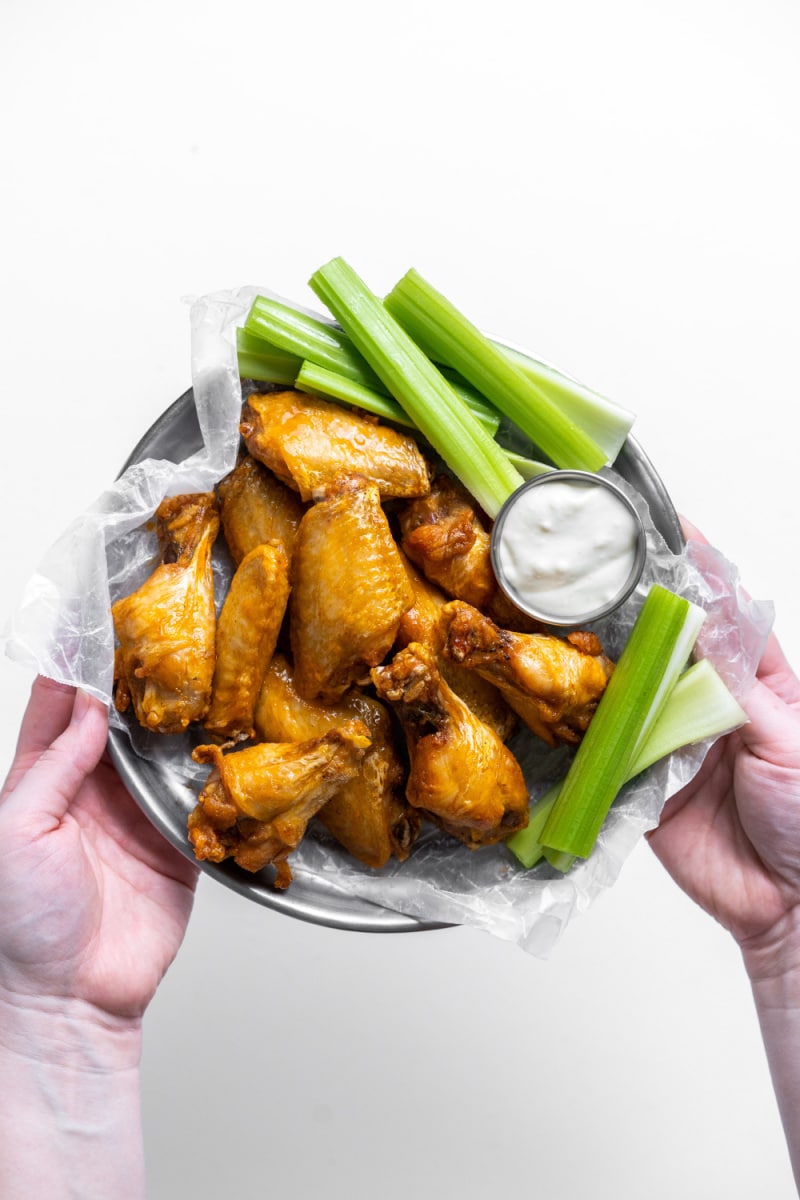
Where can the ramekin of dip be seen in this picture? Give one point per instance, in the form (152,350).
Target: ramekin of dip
(568,547)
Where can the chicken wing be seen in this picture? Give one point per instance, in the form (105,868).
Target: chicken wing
(309,443)
(257,802)
(442,534)
(255,507)
(461,773)
(553,683)
(422,622)
(247,632)
(349,590)
(369,814)
(164,664)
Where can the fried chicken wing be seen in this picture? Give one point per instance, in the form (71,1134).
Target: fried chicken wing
(255,507)
(369,815)
(553,683)
(247,633)
(349,590)
(442,534)
(422,622)
(461,773)
(309,443)
(257,802)
(164,663)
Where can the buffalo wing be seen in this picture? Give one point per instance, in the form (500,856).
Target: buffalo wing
(164,664)
(369,815)
(257,802)
(461,773)
(553,683)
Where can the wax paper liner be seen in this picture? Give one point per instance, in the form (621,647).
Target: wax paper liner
(62,628)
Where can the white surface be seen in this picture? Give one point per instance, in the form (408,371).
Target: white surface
(615,186)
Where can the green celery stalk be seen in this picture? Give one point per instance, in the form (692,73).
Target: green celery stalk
(698,707)
(258,360)
(447,335)
(442,417)
(319,381)
(526,844)
(649,666)
(527,467)
(307,337)
(605,422)
(284,329)
(322,382)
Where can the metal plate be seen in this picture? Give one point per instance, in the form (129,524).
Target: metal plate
(167,802)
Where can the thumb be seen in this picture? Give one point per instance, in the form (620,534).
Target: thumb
(44,789)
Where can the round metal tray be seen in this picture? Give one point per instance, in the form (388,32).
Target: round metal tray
(168,802)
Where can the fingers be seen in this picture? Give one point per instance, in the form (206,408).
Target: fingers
(47,715)
(691,532)
(773,731)
(44,779)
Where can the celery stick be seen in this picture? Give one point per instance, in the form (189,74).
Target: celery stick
(473,456)
(319,381)
(527,467)
(699,707)
(648,668)
(258,360)
(444,333)
(526,844)
(322,382)
(605,422)
(288,330)
(309,338)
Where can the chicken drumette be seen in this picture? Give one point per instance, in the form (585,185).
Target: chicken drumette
(553,683)
(461,774)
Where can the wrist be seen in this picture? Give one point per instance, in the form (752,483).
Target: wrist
(70,1119)
(772,958)
(68,1033)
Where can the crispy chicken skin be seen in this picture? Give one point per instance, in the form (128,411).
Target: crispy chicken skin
(257,802)
(422,622)
(164,664)
(349,590)
(247,633)
(442,535)
(255,507)
(309,443)
(553,683)
(461,774)
(369,814)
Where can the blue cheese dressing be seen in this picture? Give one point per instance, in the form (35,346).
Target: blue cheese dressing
(568,546)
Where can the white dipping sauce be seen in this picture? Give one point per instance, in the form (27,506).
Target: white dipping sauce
(567,547)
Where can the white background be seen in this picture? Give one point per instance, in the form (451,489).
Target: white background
(613,185)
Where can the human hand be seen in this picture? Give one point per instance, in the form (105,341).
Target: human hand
(731,837)
(94,901)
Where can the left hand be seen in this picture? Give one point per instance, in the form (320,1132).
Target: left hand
(94,903)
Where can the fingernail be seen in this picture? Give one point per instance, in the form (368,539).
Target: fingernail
(81,706)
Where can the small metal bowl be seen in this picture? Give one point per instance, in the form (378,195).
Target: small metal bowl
(581,617)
